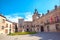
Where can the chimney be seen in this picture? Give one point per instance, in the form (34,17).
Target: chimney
(55,7)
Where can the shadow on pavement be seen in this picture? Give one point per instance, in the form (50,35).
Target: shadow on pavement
(48,35)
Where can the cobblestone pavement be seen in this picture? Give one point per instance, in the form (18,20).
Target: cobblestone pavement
(38,36)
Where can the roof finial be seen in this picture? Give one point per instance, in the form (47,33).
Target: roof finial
(47,11)
(36,11)
(55,6)
(42,14)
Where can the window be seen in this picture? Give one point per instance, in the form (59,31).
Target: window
(9,31)
(57,19)
(47,22)
(3,21)
(2,27)
(27,25)
(6,30)
(37,25)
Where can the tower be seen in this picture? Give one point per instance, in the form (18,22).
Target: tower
(36,15)
(20,24)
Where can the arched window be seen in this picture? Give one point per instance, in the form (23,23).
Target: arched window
(6,25)
(42,29)
(3,21)
(57,19)
(6,30)
(9,31)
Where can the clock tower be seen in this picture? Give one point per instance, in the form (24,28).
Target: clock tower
(36,15)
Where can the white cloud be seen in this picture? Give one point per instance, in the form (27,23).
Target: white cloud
(28,16)
(14,17)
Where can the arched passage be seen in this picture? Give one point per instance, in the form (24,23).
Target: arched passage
(42,29)
(27,29)
(57,27)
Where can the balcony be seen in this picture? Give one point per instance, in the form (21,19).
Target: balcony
(47,23)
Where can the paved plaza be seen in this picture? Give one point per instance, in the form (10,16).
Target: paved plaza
(38,36)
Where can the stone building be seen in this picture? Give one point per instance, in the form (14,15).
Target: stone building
(24,25)
(27,25)
(20,24)
(6,26)
(49,22)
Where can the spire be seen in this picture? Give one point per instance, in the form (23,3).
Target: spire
(47,11)
(36,12)
(55,6)
(42,14)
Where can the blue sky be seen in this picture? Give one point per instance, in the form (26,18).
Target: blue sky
(14,9)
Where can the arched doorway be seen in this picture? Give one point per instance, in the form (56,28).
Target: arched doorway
(42,29)
(58,27)
(48,28)
(16,29)
(9,31)
(27,30)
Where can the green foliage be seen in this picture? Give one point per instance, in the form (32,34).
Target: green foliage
(22,33)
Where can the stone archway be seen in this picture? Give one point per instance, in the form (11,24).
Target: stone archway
(42,29)
(27,29)
(58,27)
